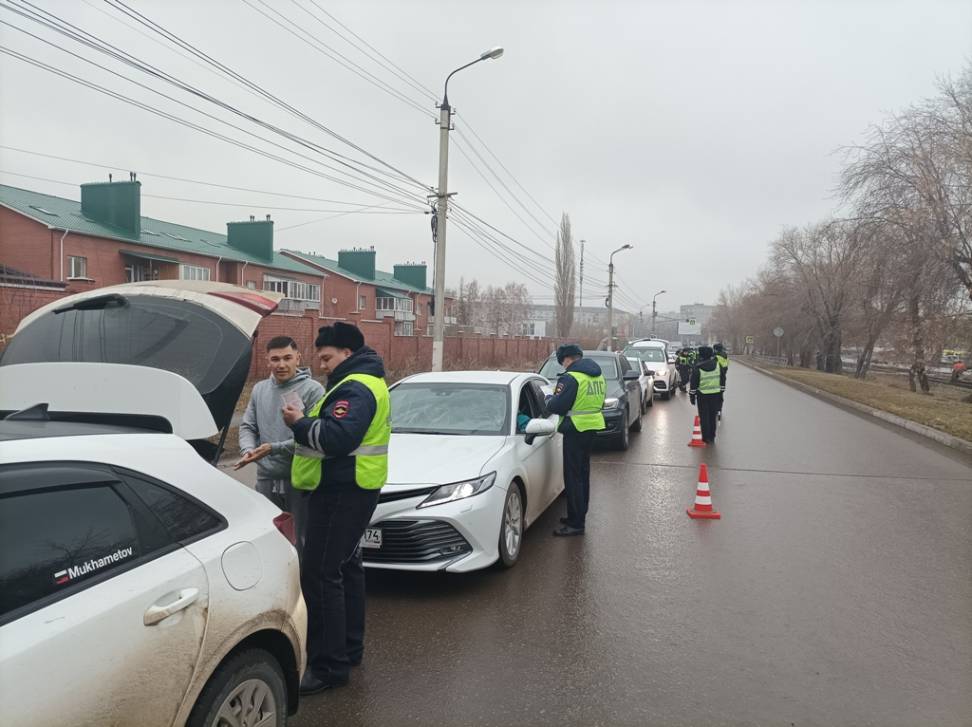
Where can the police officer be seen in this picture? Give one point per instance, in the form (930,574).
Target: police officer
(707,384)
(342,459)
(722,358)
(579,399)
(684,370)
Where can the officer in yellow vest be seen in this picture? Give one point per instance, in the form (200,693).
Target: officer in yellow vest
(722,358)
(341,459)
(706,386)
(579,399)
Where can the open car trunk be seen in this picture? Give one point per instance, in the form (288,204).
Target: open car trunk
(200,331)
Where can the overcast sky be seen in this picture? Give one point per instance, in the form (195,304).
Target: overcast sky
(694,131)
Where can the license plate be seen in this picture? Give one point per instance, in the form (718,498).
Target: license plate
(371,538)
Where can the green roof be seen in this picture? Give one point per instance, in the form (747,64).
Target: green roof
(65,214)
(382,279)
(388,293)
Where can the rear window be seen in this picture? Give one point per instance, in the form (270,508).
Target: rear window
(172,335)
(650,354)
(608,363)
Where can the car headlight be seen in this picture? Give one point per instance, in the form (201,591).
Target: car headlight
(459,490)
(612,403)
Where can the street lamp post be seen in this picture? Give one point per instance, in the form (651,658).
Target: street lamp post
(654,311)
(610,299)
(441,214)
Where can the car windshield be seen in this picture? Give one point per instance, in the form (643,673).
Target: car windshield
(609,367)
(651,355)
(445,408)
(635,363)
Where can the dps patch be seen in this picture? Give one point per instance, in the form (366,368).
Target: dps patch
(559,389)
(341,409)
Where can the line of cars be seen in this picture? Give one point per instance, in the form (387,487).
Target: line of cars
(119,535)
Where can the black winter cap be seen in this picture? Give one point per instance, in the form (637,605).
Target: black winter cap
(705,352)
(568,349)
(340,335)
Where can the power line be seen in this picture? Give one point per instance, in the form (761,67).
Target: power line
(116,167)
(375,209)
(81,36)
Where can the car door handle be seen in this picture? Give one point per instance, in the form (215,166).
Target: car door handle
(183,599)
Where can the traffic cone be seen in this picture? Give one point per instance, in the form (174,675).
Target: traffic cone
(703,499)
(696,435)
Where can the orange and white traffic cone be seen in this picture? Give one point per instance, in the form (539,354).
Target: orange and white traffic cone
(697,435)
(703,499)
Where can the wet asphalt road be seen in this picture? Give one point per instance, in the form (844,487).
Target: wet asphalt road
(836,590)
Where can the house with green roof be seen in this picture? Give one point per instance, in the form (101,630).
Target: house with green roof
(402,295)
(103,239)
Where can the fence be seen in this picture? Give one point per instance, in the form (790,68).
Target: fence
(404,355)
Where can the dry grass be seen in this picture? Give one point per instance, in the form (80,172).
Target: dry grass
(943,409)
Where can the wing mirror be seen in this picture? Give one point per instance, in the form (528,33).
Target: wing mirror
(631,375)
(539,428)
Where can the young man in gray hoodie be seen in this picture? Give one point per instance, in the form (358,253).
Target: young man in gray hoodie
(263,432)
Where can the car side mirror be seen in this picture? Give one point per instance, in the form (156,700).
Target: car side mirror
(631,376)
(539,428)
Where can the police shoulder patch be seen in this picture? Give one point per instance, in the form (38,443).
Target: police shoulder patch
(341,409)
(560,388)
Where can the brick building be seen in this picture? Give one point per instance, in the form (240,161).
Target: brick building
(51,246)
(356,287)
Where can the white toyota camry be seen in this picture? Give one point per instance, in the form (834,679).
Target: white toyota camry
(474,460)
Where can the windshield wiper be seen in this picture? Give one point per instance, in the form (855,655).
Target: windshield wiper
(99,302)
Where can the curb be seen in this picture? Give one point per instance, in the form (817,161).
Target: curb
(943,438)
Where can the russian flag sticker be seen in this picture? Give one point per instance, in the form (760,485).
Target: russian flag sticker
(61,577)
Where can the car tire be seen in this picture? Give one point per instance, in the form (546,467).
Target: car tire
(623,440)
(636,427)
(651,400)
(250,679)
(511,527)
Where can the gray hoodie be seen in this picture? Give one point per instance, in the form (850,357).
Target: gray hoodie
(263,421)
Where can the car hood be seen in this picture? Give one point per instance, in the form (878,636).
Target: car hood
(435,459)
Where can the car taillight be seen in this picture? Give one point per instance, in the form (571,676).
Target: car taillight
(285,524)
(254,301)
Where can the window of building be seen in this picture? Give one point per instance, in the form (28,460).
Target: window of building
(194,272)
(251,285)
(362,302)
(77,266)
(135,273)
(290,288)
(404,328)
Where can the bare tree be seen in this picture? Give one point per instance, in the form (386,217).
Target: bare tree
(565,278)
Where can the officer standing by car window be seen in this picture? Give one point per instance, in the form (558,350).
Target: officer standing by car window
(722,358)
(579,399)
(342,458)
(706,386)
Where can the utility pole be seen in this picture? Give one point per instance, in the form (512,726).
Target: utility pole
(610,300)
(582,277)
(442,199)
(654,310)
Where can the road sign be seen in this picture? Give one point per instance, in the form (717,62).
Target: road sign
(778,332)
(750,339)
(691,321)
(689,328)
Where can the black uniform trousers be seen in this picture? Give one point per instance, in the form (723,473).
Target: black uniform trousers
(577,475)
(709,406)
(332,577)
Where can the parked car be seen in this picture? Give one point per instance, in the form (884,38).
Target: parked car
(654,354)
(622,405)
(647,381)
(139,584)
(467,473)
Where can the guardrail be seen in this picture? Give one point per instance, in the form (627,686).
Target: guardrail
(771,360)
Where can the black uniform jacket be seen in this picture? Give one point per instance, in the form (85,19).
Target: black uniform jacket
(343,422)
(565,393)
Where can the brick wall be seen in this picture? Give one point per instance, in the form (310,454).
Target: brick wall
(404,355)
(15,303)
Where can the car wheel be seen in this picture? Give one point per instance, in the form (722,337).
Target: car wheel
(651,400)
(247,689)
(511,527)
(667,395)
(624,438)
(636,427)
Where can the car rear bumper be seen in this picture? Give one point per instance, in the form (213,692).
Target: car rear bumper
(614,423)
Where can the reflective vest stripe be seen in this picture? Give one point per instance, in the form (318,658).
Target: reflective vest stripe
(575,412)
(370,458)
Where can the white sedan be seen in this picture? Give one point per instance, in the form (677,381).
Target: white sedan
(473,461)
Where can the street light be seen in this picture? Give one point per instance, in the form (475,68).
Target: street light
(442,196)
(654,312)
(611,295)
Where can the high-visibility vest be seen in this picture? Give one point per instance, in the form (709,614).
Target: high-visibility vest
(709,381)
(370,458)
(586,412)
(723,360)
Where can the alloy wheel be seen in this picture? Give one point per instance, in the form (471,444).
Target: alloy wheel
(250,704)
(513,523)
